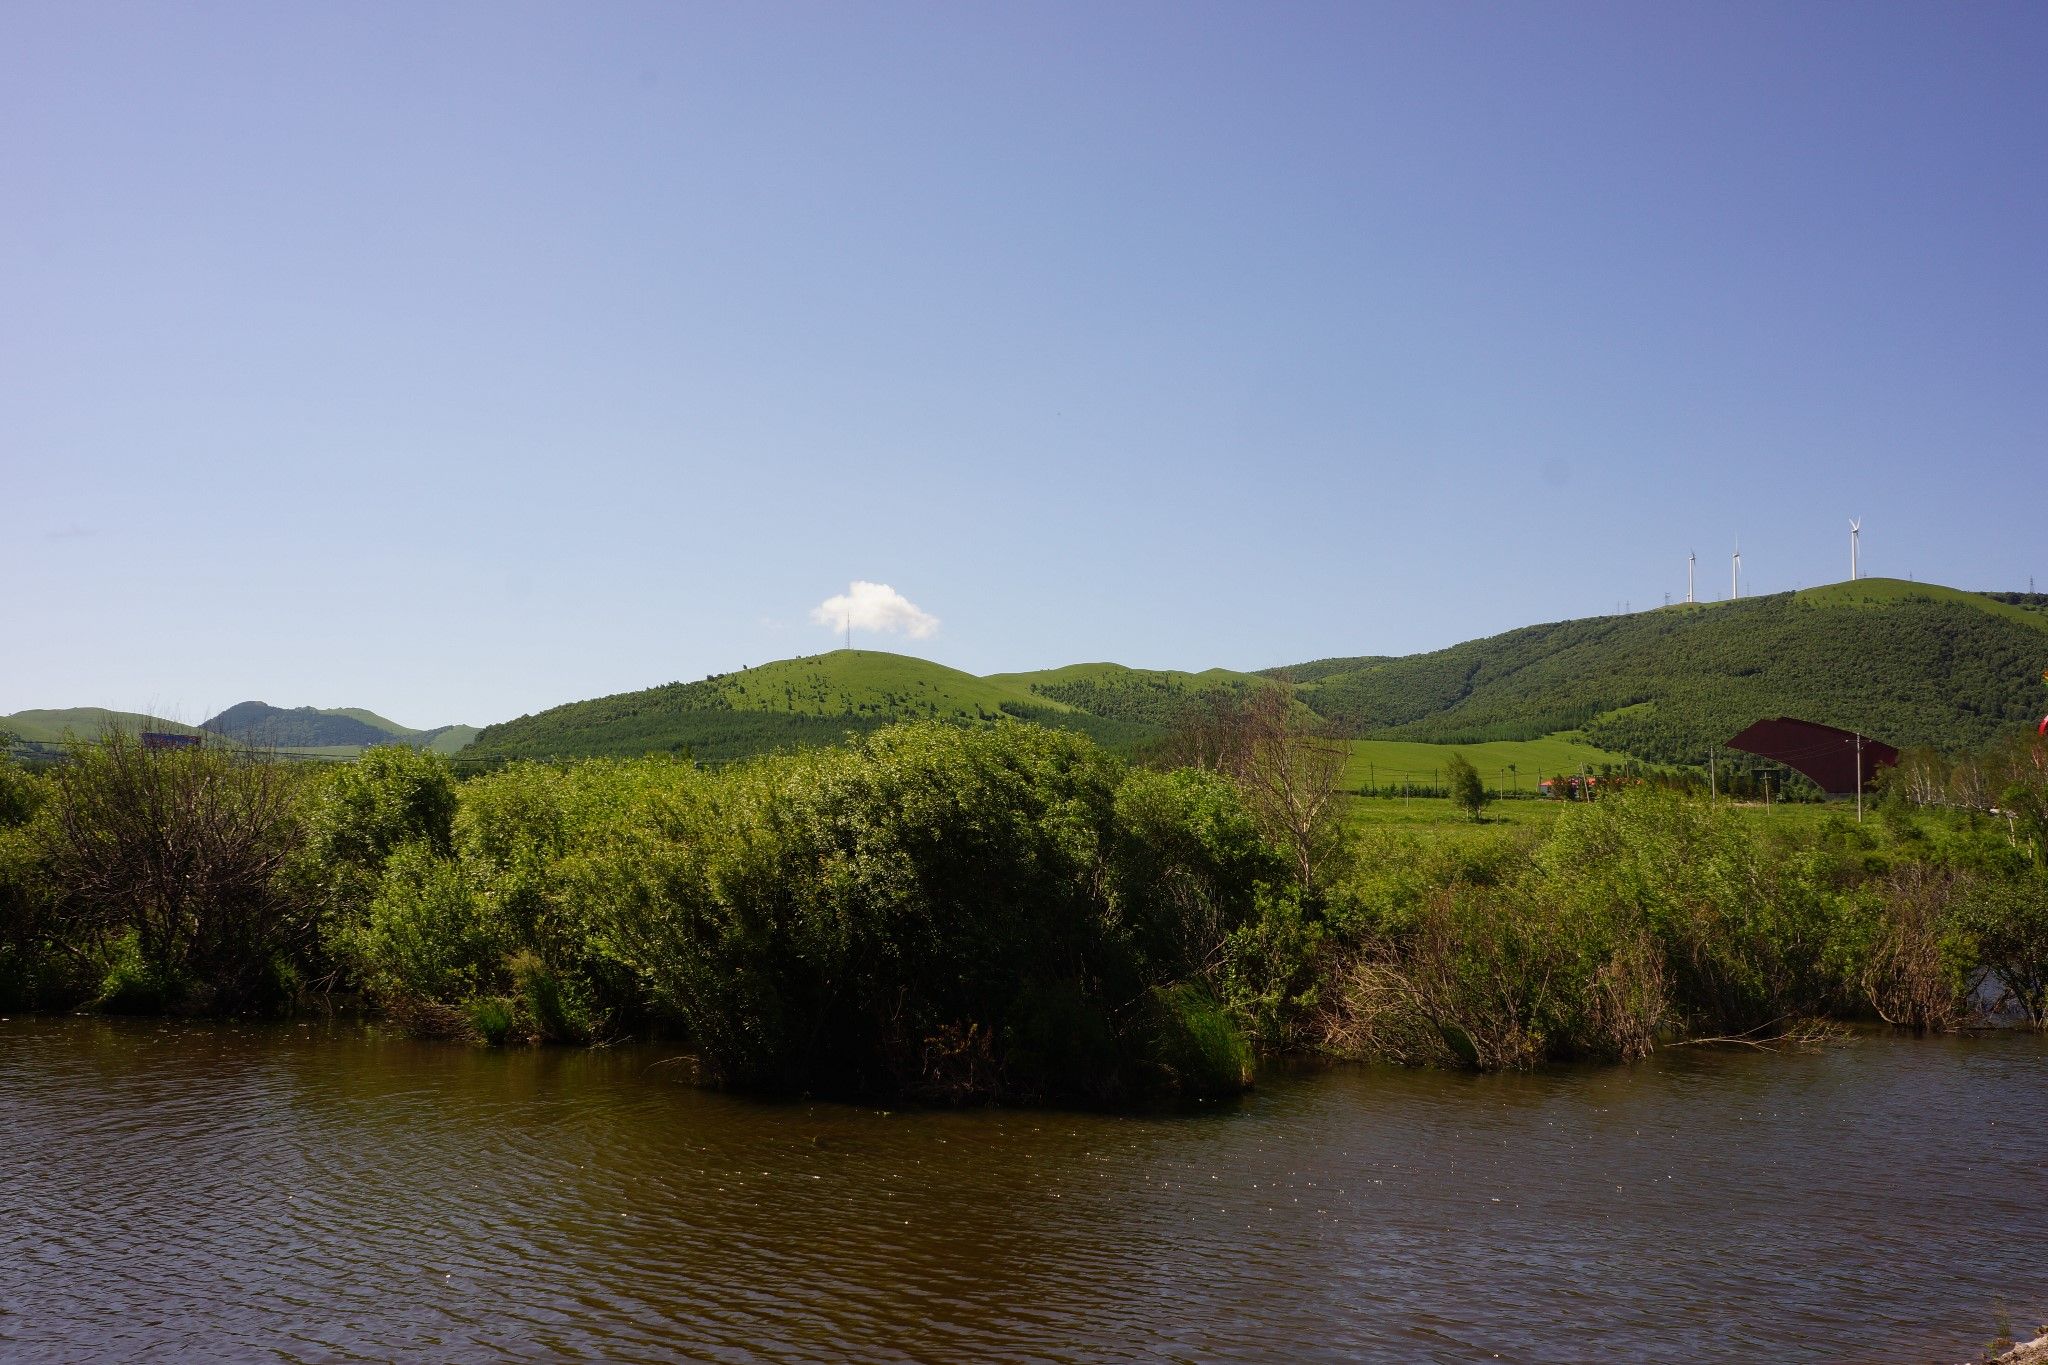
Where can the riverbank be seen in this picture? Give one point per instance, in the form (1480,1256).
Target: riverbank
(1003,915)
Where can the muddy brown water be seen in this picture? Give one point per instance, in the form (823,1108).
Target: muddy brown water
(328,1193)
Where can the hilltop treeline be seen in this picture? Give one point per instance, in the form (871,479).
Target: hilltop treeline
(1666,686)
(1008,913)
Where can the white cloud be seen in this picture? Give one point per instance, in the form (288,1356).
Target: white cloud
(875,606)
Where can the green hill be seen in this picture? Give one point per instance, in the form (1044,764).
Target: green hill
(340,733)
(823,698)
(448,739)
(335,732)
(84,722)
(1147,698)
(790,704)
(1908,663)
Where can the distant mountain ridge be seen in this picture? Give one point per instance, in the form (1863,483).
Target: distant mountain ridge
(261,725)
(334,733)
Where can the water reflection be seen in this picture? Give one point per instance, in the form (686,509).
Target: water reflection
(310,1193)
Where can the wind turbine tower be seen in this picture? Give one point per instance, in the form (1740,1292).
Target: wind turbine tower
(1855,530)
(1735,574)
(1691,559)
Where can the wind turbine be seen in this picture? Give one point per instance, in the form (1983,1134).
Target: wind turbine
(1735,574)
(1690,560)
(1855,530)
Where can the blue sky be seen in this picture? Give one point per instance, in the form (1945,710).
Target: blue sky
(456,360)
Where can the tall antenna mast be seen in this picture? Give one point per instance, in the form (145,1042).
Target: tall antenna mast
(849,630)
(1690,560)
(1855,530)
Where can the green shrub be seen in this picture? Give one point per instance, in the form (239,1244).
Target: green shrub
(428,935)
(135,985)
(559,1013)
(360,815)
(492,1017)
(904,915)
(2007,922)
(1269,968)
(1188,863)
(21,794)
(390,796)
(1746,932)
(1196,1051)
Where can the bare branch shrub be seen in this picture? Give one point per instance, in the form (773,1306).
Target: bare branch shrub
(182,850)
(1288,770)
(1914,976)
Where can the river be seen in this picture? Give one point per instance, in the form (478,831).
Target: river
(324,1192)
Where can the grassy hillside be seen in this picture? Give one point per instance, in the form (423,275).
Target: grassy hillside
(790,704)
(449,739)
(369,718)
(1908,663)
(83,722)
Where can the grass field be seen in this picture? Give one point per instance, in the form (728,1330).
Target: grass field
(1435,818)
(1388,762)
(1884,592)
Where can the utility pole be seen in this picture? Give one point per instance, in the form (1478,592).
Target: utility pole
(1859,778)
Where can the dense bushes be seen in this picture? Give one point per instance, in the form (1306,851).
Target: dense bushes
(937,911)
(1647,916)
(1003,912)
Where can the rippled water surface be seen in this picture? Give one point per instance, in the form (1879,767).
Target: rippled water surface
(316,1194)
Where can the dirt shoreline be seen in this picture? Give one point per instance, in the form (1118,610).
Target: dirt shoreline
(2033,1352)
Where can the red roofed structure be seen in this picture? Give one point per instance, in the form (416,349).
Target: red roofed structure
(1823,753)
